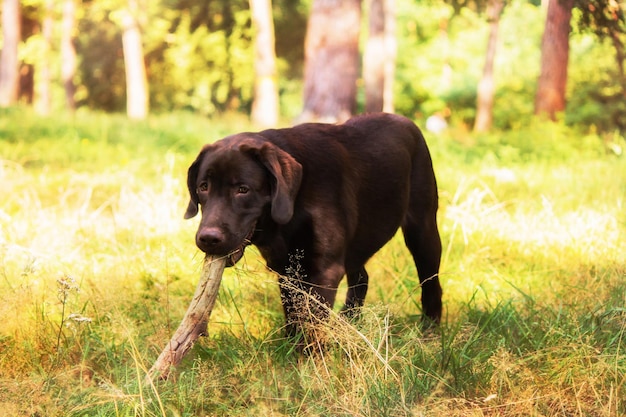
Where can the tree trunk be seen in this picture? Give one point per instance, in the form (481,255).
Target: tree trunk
(550,97)
(331,60)
(380,57)
(9,62)
(136,79)
(391,46)
(44,95)
(486,86)
(68,53)
(374,58)
(265,102)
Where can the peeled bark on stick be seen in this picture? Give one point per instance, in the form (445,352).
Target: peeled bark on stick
(195,321)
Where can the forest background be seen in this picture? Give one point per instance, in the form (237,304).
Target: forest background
(200,56)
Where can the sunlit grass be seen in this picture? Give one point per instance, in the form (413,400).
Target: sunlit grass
(97,267)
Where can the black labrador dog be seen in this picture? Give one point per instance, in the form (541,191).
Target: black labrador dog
(318,200)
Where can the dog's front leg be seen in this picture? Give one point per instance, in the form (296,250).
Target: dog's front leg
(307,300)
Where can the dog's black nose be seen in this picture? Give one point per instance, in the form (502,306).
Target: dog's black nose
(210,236)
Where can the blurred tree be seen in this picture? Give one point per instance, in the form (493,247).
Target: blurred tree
(486,86)
(44,96)
(331,60)
(265,100)
(68,53)
(486,89)
(379,56)
(603,17)
(550,96)
(137,98)
(374,57)
(9,62)
(391,46)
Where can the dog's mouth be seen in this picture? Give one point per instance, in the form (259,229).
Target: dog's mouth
(233,257)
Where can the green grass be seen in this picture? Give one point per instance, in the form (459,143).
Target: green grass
(97,268)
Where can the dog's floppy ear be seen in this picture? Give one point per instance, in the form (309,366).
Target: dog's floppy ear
(192,177)
(287,173)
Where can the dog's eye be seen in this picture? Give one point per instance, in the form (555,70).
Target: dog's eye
(243,189)
(203,187)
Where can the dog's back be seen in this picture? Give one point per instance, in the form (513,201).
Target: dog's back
(364,175)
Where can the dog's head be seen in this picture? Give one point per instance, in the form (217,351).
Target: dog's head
(234,181)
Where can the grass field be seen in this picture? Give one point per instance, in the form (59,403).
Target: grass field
(97,268)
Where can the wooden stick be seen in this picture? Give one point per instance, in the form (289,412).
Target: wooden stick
(195,321)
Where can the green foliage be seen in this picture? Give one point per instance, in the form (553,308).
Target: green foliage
(199,58)
(595,97)
(418,86)
(192,51)
(97,267)
(199,55)
(605,18)
(290,22)
(447,57)
(101,77)
(532,142)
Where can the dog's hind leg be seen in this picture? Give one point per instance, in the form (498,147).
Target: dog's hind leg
(357,289)
(422,238)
